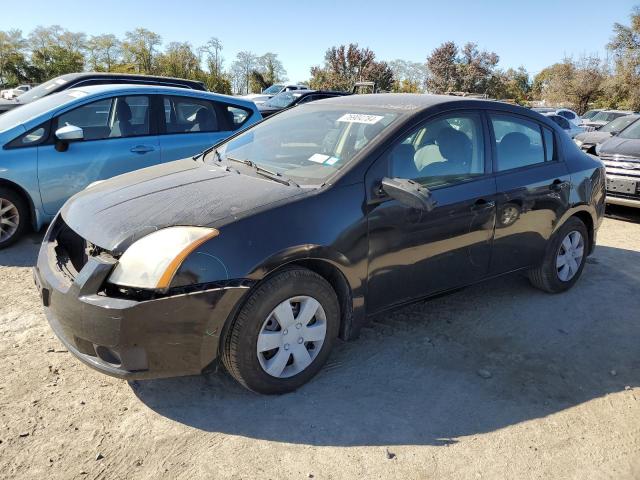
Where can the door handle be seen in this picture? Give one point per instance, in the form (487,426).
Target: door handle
(142,149)
(482,204)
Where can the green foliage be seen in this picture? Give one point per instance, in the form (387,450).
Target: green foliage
(345,65)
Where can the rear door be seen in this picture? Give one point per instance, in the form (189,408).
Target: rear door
(190,125)
(119,136)
(533,184)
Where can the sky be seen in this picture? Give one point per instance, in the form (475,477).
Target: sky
(530,34)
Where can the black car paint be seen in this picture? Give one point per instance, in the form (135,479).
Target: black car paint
(73,80)
(375,251)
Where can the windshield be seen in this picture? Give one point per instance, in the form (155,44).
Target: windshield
(606,116)
(41,90)
(282,100)
(273,89)
(632,132)
(310,143)
(589,114)
(25,113)
(619,124)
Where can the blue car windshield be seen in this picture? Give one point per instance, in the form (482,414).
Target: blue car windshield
(310,143)
(24,113)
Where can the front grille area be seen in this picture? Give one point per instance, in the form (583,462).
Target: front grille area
(622,165)
(70,248)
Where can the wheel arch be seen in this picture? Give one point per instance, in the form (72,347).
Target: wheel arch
(25,196)
(586,214)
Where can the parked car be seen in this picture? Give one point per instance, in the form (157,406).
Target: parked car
(306,224)
(10,93)
(565,113)
(589,114)
(621,156)
(58,145)
(570,129)
(85,79)
(284,100)
(588,141)
(267,93)
(600,119)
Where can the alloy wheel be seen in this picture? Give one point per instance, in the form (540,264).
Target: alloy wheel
(9,219)
(291,336)
(569,257)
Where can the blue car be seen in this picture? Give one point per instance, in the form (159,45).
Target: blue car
(58,145)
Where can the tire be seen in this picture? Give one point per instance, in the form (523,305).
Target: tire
(258,320)
(13,209)
(548,276)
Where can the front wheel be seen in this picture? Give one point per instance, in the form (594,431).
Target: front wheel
(564,259)
(284,332)
(14,216)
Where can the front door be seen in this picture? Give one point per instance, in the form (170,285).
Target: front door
(118,138)
(414,253)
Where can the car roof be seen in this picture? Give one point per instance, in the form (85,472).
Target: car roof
(124,87)
(409,102)
(133,76)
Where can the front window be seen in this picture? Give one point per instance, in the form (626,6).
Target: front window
(282,100)
(619,124)
(273,89)
(309,144)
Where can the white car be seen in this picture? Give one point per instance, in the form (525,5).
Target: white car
(570,128)
(14,92)
(267,93)
(570,115)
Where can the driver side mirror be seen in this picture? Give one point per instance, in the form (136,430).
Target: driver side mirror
(66,134)
(409,193)
(614,133)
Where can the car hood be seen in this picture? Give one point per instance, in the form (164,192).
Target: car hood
(621,146)
(115,213)
(593,137)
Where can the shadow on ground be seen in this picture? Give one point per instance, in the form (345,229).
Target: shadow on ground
(412,377)
(23,253)
(626,214)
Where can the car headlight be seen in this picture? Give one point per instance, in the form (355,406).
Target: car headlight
(598,149)
(152,261)
(578,142)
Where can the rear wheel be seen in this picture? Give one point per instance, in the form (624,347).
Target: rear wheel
(564,259)
(284,333)
(14,216)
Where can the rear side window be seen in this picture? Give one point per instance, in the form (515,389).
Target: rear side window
(237,116)
(190,115)
(518,142)
(549,144)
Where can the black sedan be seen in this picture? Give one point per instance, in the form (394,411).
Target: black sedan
(263,251)
(284,100)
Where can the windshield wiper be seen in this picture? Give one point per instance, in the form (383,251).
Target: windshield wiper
(275,176)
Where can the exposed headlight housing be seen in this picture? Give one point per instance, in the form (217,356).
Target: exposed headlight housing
(152,261)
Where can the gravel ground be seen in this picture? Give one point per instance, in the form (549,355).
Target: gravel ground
(495,381)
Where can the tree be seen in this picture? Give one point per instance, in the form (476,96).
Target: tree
(624,87)
(179,60)
(512,84)
(12,58)
(104,52)
(410,77)
(140,50)
(468,70)
(55,51)
(241,70)
(345,65)
(574,82)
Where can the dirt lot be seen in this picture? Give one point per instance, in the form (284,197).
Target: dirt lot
(407,400)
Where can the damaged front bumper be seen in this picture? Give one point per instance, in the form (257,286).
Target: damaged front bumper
(168,336)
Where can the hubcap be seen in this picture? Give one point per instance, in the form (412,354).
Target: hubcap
(570,255)
(292,336)
(9,219)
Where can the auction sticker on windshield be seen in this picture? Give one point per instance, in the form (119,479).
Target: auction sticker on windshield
(360,118)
